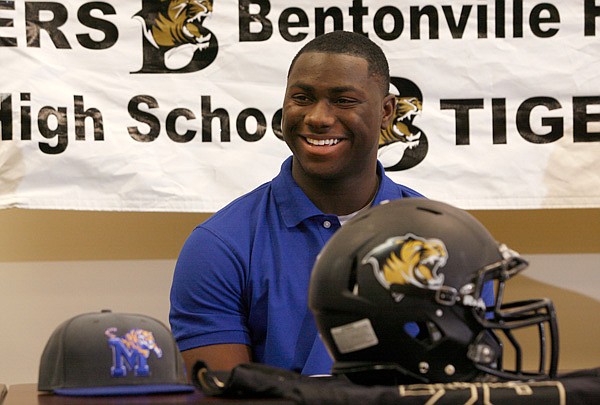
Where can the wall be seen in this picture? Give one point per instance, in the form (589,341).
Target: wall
(57,264)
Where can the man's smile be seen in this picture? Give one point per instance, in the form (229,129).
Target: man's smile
(322,142)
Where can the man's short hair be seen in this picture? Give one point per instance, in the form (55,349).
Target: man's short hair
(354,44)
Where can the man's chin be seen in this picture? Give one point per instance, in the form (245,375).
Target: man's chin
(323,172)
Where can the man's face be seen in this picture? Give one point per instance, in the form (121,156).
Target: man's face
(332,114)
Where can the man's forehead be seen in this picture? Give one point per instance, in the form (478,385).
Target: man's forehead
(314,65)
(312,55)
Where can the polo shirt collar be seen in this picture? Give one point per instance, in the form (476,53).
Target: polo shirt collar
(296,207)
(293,204)
(388,189)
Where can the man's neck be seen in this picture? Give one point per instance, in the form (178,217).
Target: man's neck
(341,197)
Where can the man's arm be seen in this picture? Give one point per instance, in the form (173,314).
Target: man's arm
(222,357)
(207,310)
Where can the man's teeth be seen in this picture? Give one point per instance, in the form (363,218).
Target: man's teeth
(321,142)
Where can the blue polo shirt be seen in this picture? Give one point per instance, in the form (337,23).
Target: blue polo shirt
(242,276)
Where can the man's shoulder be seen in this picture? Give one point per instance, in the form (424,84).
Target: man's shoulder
(393,190)
(244,204)
(408,192)
(254,205)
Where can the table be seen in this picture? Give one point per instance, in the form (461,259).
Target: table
(27,394)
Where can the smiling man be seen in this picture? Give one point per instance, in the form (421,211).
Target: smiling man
(334,108)
(240,287)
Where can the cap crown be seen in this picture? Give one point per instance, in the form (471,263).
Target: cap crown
(105,353)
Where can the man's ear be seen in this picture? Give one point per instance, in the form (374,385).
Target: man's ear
(389,108)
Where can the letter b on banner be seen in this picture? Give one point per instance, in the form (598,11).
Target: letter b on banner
(165,50)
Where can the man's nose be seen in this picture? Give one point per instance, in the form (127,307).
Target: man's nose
(320,116)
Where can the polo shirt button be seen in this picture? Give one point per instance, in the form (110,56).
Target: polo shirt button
(326,224)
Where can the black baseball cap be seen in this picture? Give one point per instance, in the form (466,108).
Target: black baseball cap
(106,353)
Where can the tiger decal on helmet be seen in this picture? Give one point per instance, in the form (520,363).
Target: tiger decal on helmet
(408,260)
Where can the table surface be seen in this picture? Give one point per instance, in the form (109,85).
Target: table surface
(26,394)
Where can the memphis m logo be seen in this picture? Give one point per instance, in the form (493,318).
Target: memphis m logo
(131,351)
(175,39)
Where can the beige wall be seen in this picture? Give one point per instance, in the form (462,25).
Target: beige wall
(57,264)
(34,235)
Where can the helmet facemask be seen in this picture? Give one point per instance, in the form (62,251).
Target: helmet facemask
(505,321)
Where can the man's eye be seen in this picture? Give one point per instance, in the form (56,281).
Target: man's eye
(301,98)
(345,101)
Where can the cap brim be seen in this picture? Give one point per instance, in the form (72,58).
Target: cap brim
(124,390)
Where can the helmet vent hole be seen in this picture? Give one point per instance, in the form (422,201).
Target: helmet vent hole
(429,210)
(352,279)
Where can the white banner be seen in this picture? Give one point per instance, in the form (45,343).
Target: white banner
(174,105)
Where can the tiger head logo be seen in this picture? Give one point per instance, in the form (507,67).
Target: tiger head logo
(136,340)
(408,260)
(142,341)
(176,31)
(402,144)
(131,351)
(399,129)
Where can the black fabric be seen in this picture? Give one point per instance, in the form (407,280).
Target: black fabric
(261,381)
(582,386)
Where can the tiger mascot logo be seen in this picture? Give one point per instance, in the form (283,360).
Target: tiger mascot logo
(403,145)
(408,260)
(176,39)
(131,351)
(399,130)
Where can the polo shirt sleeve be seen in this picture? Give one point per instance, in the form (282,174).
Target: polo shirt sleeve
(207,305)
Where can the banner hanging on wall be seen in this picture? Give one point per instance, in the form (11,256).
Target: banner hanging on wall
(175,105)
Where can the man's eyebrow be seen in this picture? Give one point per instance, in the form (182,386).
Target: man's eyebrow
(343,89)
(302,86)
(334,90)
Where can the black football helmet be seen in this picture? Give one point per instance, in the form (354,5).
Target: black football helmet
(397,298)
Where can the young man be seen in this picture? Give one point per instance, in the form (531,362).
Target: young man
(240,286)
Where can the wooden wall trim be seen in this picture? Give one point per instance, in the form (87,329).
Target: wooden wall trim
(55,235)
